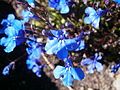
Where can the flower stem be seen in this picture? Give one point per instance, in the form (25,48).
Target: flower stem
(47,61)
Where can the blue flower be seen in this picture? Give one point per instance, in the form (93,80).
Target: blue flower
(17,25)
(59,44)
(93,63)
(34,50)
(68,74)
(115,68)
(117,1)
(13,31)
(61,5)
(34,53)
(9,20)
(10,41)
(32,65)
(93,17)
(7,68)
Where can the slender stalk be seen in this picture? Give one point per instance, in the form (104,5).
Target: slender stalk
(47,61)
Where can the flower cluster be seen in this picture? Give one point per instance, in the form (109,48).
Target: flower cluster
(13,31)
(42,36)
(34,53)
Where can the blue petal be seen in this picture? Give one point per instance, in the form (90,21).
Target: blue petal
(71,44)
(87,20)
(99,66)
(53,3)
(55,48)
(91,68)
(38,74)
(77,73)
(6,70)
(30,63)
(69,41)
(4,22)
(31,3)
(3,41)
(60,45)
(98,56)
(50,46)
(59,5)
(115,68)
(36,53)
(90,10)
(62,54)
(67,79)
(35,69)
(58,71)
(31,43)
(86,61)
(10,31)
(81,45)
(64,9)
(95,22)
(57,33)
(10,45)
(11,17)
(17,25)
(100,12)
(29,50)
(90,19)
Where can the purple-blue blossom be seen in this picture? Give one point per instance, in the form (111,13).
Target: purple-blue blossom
(32,64)
(33,50)
(93,17)
(68,73)
(61,5)
(11,40)
(9,20)
(92,63)
(7,68)
(34,53)
(59,44)
(13,31)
